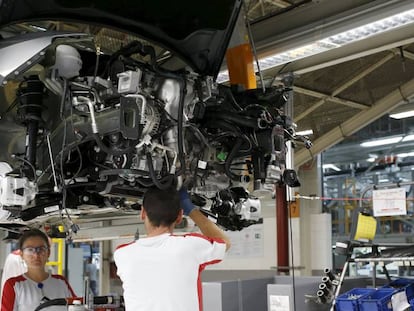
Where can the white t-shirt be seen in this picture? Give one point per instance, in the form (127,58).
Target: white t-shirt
(162,273)
(23,294)
(13,266)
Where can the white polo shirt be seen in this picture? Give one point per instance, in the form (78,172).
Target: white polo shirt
(23,294)
(162,273)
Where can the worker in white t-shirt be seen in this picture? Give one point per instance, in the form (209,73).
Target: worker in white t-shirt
(36,287)
(161,272)
(13,266)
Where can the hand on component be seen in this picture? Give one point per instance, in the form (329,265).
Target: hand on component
(185,201)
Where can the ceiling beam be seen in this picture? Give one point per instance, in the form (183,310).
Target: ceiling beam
(254,7)
(406,54)
(279,3)
(354,124)
(305,21)
(376,44)
(327,97)
(319,19)
(344,86)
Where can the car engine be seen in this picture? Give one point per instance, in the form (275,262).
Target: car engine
(101,128)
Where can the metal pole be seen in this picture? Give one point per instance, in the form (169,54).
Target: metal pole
(282,228)
(338,287)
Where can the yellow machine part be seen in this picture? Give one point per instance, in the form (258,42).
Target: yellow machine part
(240,66)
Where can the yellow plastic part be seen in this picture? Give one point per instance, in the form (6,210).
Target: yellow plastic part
(240,66)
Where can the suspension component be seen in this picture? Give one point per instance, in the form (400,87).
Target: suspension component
(30,96)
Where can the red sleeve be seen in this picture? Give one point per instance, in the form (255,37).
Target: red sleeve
(123,245)
(8,296)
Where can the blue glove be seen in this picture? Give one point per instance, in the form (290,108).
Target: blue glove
(185,201)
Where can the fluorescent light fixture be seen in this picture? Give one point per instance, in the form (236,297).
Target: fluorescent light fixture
(305,132)
(334,41)
(387,141)
(331,166)
(402,115)
(405,154)
(382,141)
(408,138)
(403,111)
(38,28)
(372,159)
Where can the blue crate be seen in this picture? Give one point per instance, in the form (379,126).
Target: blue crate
(349,300)
(403,284)
(379,300)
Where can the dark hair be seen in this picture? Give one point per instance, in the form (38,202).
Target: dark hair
(162,206)
(33,233)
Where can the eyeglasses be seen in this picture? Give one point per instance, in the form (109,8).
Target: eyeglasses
(41,250)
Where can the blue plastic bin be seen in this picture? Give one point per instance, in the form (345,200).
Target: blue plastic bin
(349,300)
(403,284)
(379,300)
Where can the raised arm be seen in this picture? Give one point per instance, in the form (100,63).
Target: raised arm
(207,227)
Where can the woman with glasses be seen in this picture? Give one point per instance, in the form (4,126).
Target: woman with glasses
(35,287)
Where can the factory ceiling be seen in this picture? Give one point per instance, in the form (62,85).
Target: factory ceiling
(339,92)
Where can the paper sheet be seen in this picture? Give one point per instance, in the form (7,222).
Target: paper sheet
(399,301)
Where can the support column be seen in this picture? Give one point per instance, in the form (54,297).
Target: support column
(282,229)
(315,226)
(106,255)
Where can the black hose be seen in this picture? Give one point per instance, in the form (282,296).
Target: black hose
(180,131)
(233,101)
(230,158)
(231,131)
(167,182)
(235,118)
(215,123)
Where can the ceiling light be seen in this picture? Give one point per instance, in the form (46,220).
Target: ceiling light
(382,141)
(405,154)
(305,132)
(331,166)
(402,115)
(402,15)
(371,160)
(403,111)
(38,28)
(408,138)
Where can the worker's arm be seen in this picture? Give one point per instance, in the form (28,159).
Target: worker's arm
(207,227)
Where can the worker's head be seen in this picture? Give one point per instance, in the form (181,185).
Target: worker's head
(33,233)
(35,247)
(162,207)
